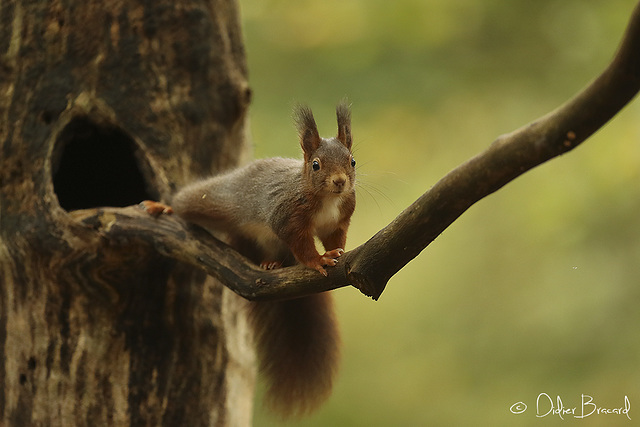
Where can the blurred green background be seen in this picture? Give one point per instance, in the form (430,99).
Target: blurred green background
(533,290)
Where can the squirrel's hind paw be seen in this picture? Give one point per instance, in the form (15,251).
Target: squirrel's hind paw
(270,265)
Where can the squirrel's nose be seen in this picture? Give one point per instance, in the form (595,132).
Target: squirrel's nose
(339,182)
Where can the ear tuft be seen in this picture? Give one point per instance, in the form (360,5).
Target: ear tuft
(307,129)
(343,114)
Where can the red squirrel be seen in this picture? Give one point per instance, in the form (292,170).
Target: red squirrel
(272,210)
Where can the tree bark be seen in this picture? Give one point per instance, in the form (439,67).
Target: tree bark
(106,104)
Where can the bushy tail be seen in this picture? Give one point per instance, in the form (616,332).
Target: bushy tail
(298,349)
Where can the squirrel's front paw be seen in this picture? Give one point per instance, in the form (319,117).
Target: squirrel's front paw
(156,208)
(330,258)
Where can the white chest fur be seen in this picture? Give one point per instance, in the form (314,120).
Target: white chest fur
(327,217)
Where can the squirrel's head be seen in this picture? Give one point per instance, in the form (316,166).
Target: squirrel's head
(328,162)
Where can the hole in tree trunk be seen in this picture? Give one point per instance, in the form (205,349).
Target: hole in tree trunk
(96,165)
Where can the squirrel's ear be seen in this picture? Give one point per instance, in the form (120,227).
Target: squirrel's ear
(307,130)
(344,124)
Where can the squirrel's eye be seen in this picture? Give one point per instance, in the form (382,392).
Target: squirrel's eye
(315,165)
(353,162)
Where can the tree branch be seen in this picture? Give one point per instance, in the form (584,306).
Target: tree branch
(508,157)
(170,236)
(370,266)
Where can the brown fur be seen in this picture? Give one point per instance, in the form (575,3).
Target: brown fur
(271,210)
(300,347)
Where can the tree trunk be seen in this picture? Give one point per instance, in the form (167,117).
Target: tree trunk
(106,104)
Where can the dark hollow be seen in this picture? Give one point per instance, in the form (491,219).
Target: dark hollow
(96,166)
